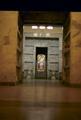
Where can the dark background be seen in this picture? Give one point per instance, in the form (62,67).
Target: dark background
(51,5)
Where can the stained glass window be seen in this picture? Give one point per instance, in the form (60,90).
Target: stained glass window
(41,62)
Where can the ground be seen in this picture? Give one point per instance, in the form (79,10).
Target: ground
(40,102)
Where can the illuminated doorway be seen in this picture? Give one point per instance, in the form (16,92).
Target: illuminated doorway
(41,63)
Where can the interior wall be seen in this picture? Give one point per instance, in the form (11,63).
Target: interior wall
(8,36)
(75,48)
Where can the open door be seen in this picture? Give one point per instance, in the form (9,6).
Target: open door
(41,63)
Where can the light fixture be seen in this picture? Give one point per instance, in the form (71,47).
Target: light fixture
(41,27)
(34,27)
(50,27)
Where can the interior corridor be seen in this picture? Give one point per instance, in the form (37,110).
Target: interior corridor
(40,65)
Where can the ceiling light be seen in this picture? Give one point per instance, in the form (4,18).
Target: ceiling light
(50,27)
(42,27)
(34,27)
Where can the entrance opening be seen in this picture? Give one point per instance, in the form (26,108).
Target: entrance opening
(41,63)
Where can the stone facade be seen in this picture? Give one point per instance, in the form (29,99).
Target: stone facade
(54,45)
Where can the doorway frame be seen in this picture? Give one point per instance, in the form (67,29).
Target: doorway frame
(46,61)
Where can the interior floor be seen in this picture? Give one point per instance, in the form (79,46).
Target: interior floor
(40,102)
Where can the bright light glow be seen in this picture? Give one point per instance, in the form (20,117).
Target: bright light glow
(42,27)
(35,34)
(47,34)
(40,34)
(50,27)
(34,27)
(62,28)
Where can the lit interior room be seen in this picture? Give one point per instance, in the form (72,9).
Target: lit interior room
(40,65)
